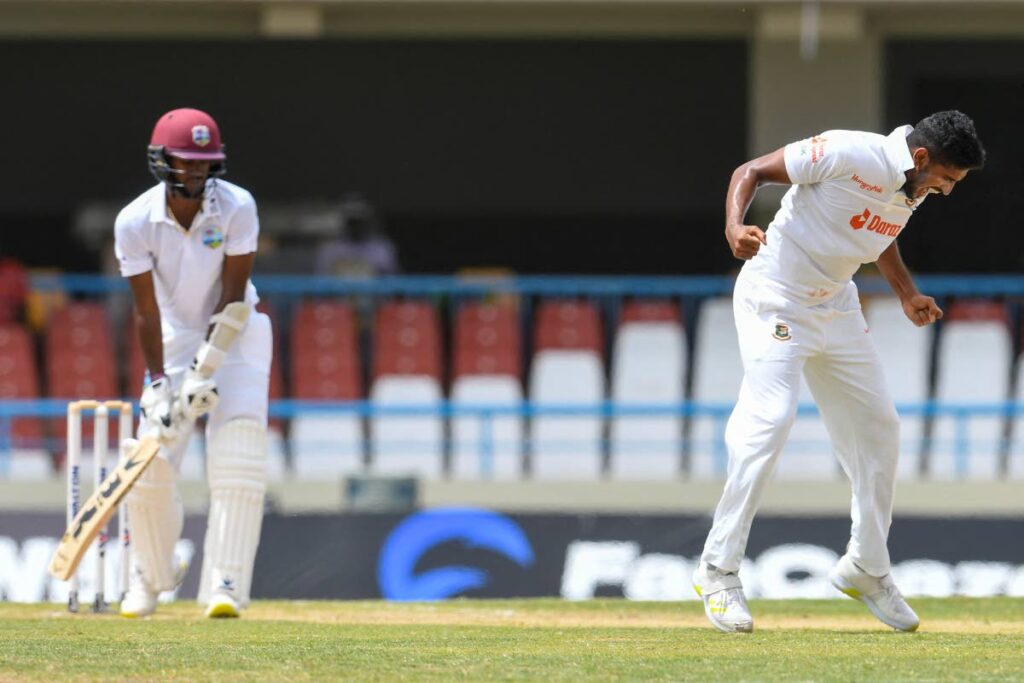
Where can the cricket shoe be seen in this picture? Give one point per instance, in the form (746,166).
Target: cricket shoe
(724,602)
(222,605)
(140,600)
(881,595)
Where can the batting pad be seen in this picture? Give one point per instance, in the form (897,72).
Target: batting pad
(237,471)
(157,515)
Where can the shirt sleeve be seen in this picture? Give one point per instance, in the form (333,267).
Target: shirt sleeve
(244,229)
(133,255)
(817,159)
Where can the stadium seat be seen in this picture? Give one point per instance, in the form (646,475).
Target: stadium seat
(974,367)
(567,370)
(717,374)
(904,351)
(25,455)
(79,359)
(407,371)
(325,366)
(486,366)
(648,367)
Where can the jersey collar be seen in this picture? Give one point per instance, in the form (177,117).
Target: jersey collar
(158,212)
(898,151)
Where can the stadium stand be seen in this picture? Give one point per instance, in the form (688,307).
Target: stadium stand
(905,352)
(648,367)
(324,359)
(19,379)
(407,371)
(974,366)
(717,374)
(567,369)
(486,366)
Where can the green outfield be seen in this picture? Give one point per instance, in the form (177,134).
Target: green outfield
(548,640)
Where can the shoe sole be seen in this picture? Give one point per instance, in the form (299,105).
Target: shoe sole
(843,587)
(222,610)
(721,626)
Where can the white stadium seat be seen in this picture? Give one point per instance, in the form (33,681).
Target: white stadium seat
(903,350)
(407,445)
(469,456)
(717,374)
(566,447)
(326,445)
(649,367)
(974,367)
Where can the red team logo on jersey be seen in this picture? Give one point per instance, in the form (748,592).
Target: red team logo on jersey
(874,223)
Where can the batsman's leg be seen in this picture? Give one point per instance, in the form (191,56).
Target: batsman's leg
(237,470)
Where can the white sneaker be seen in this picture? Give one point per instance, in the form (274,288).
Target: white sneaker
(881,595)
(222,606)
(140,600)
(724,602)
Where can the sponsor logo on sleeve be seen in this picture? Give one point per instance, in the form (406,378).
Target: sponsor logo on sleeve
(817,149)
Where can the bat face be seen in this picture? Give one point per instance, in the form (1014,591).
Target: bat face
(99,508)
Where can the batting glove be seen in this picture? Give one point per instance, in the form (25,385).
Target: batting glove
(198,395)
(159,410)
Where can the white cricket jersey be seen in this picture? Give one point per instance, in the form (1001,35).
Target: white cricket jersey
(844,209)
(187,264)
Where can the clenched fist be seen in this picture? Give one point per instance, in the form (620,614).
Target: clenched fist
(921,310)
(744,240)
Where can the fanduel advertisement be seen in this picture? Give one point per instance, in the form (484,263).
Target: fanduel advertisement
(470,552)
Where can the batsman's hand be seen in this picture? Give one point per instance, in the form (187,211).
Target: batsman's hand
(198,395)
(921,310)
(159,410)
(745,240)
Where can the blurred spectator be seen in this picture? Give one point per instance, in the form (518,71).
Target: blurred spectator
(361,248)
(13,290)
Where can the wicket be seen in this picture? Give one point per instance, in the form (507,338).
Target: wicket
(101,454)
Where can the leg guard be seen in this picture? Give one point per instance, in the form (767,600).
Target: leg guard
(157,515)
(237,470)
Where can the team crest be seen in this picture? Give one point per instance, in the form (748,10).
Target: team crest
(782,332)
(213,237)
(201,135)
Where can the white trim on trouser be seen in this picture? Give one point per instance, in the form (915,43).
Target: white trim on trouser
(237,471)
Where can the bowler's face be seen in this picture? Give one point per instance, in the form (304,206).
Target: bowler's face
(931,177)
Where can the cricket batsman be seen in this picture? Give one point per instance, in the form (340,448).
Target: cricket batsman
(797,311)
(187,247)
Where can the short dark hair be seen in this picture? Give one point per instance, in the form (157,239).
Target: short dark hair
(950,138)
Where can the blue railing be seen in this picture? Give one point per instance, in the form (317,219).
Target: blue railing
(540,285)
(718,413)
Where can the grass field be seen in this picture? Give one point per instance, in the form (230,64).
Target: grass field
(549,640)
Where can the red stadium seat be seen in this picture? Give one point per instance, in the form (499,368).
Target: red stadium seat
(19,379)
(650,310)
(568,325)
(977,311)
(486,341)
(407,340)
(325,352)
(80,358)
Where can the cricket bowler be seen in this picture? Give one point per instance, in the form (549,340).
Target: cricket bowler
(187,247)
(797,311)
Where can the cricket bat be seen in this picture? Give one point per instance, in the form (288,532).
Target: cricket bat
(99,508)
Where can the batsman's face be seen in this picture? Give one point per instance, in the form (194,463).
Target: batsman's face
(192,173)
(931,177)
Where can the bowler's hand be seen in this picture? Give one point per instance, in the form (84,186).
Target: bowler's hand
(744,240)
(921,310)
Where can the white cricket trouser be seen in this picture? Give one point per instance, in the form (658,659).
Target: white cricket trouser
(830,344)
(243,379)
